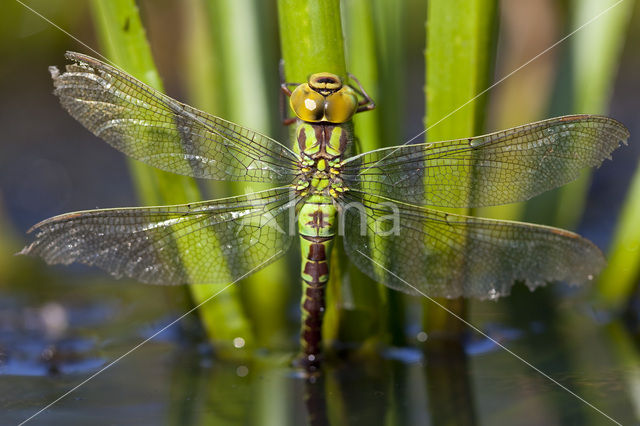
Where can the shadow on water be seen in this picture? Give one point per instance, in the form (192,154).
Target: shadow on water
(448,383)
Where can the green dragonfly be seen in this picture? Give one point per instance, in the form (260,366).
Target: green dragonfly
(375,200)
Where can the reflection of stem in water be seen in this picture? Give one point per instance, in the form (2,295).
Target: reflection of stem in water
(314,400)
(448,385)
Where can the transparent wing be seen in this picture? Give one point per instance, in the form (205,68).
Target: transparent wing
(205,242)
(498,168)
(447,255)
(164,133)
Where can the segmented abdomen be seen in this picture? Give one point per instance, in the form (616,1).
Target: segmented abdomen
(317,226)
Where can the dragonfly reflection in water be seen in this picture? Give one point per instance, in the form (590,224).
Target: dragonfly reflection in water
(437,253)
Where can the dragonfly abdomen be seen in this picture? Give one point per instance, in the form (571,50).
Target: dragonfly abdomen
(317,224)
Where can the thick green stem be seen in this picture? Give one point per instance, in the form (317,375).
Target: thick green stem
(123,39)
(311,38)
(241,95)
(460,46)
(364,57)
(312,41)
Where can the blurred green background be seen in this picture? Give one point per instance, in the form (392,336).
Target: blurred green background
(59,324)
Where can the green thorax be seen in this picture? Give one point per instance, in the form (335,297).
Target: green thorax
(321,147)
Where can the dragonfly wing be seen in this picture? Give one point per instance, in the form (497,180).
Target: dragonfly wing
(164,133)
(499,168)
(423,251)
(205,242)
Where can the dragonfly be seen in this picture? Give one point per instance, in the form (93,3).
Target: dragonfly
(384,203)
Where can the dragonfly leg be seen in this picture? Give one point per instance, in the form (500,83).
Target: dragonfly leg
(285,91)
(366,104)
(284,86)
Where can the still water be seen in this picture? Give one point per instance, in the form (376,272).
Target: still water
(53,336)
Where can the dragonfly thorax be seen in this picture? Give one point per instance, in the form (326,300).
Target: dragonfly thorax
(321,148)
(324,98)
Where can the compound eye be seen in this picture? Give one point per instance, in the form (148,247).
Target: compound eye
(341,105)
(307,104)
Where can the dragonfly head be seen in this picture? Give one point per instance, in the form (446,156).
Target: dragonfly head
(324,98)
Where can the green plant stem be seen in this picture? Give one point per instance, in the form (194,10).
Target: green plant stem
(123,39)
(460,42)
(242,91)
(363,59)
(311,38)
(312,41)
